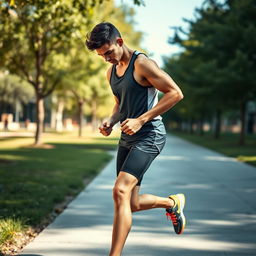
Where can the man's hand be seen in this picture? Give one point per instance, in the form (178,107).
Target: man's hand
(106,128)
(131,125)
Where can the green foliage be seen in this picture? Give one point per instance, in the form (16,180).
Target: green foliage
(216,69)
(43,42)
(38,31)
(35,33)
(14,91)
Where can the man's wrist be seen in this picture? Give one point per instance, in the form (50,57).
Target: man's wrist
(112,122)
(142,120)
(115,118)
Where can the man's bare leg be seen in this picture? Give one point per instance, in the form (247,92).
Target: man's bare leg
(148,201)
(123,215)
(127,200)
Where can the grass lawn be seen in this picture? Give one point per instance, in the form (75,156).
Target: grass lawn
(34,180)
(227,145)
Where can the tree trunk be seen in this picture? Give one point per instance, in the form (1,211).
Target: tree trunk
(201,126)
(17,113)
(81,117)
(94,115)
(59,116)
(217,124)
(53,118)
(39,119)
(242,119)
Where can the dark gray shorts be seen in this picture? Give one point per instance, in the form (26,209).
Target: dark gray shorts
(135,157)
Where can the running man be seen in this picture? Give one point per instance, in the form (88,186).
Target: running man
(135,81)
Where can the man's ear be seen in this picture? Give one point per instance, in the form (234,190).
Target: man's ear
(120,41)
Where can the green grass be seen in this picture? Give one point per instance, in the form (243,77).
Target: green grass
(9,228)
(34,180)
(227,144)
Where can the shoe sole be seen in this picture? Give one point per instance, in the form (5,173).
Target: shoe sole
(182,205)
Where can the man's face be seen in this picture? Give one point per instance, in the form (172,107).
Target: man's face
(110,52)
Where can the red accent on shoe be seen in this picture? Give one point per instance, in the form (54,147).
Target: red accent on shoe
(172,217)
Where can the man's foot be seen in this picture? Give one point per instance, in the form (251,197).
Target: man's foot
(175,214)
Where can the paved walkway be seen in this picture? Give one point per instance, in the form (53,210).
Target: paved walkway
(220,210)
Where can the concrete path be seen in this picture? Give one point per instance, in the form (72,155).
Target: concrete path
(220,210)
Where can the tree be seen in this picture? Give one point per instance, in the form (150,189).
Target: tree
(37,31)
(214,43)
(240,67)
(33,32)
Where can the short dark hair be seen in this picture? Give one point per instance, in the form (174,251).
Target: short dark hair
(103,33)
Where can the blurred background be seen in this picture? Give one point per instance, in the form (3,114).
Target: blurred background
(54,92)
(49,81)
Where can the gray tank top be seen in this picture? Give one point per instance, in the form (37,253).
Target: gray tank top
(135,99)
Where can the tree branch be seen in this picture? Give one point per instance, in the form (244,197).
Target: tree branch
(22,67)
(46,93)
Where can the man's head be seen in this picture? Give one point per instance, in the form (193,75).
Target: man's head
(106,40)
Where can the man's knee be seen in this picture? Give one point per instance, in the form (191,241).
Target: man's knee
(123,186)
(120,193)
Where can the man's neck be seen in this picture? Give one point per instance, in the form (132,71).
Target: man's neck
(126,56)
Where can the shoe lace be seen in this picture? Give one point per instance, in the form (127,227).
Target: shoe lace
(171,216)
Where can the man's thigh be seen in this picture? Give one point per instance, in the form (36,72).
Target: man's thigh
(136,163)
(126,181)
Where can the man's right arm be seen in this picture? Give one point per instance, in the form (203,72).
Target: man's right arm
(106,127)
(115,117)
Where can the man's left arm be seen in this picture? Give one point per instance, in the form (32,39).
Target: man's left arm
(163,82)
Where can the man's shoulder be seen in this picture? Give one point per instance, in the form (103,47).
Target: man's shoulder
(141,57)
(143,60)
(145,64)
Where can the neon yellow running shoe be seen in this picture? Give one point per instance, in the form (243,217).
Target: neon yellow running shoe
(175,214)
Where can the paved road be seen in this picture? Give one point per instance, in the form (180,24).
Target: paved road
(220,210)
